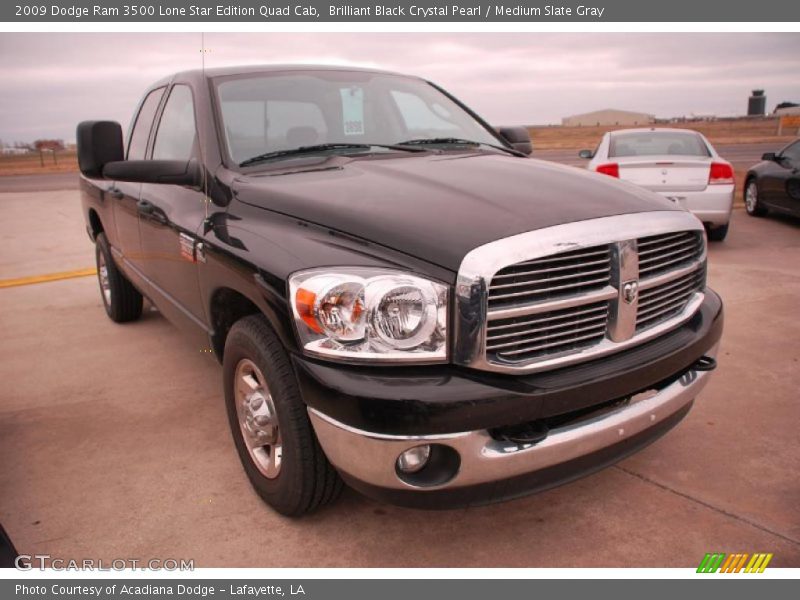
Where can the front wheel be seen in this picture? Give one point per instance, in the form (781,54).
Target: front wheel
(122,301)
(270,426)
(751,204)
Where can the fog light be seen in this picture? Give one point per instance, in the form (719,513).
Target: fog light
(413,459)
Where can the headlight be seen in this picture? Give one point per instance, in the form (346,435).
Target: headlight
(364,314)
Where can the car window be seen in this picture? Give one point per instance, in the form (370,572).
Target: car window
(792,153)
(657,143)
(419,116)
(252,125)
(177,131)
(137,146)
(271,112)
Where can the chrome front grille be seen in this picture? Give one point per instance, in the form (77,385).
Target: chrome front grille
(525,338)
(667,252)
(573,292)
(568,273)
(664,301)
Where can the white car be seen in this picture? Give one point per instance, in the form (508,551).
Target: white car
(679,164)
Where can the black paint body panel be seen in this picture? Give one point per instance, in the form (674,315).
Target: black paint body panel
(439,207)
(778,181)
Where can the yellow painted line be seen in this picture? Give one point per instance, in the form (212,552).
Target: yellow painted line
(7,283)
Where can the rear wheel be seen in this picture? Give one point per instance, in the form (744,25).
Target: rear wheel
(122,301)
(717,234)
(270,425)
(751,204)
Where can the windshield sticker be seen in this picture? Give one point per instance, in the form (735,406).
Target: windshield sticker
(353,110)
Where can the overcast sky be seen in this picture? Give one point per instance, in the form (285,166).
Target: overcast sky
(51,81)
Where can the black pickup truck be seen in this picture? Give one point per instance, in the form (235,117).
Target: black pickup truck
(401,299)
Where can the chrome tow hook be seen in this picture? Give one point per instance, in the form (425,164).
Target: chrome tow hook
(705,363)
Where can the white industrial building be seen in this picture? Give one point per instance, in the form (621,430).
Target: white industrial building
(608,116)
(13,150)
(787,110)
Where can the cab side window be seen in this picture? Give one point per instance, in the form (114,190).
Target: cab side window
(137,146)
(177,131)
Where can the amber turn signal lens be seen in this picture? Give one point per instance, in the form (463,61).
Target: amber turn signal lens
(304,301)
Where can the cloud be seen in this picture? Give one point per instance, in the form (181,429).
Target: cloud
(51,81)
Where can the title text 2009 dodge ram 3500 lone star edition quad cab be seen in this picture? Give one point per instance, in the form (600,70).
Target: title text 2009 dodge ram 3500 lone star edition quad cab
(399,297)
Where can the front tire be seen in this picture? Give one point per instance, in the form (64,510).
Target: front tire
(718,234)
(751,204)
(270,426)
(122,301)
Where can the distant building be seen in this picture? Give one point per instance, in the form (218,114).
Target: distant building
(608,116)
(757,104)
(787,110)
(6,150)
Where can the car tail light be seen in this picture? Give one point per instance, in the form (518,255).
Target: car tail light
(609,169)
(720,173)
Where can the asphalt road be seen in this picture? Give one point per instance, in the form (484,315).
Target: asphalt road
(115,444)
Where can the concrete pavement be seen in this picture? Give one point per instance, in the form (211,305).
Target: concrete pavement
(38,183)
(115,444)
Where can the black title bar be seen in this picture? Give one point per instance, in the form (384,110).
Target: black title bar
(310,11)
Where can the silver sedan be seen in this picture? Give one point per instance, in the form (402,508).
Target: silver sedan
(679,164)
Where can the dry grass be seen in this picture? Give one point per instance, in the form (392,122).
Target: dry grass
(739,131)
(30,164)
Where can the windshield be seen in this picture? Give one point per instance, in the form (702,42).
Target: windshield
(657,143)
(264,113)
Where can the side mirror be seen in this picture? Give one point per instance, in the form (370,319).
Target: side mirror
(518,137)
(586,154)
(174,172)
(771,156)
(99,143)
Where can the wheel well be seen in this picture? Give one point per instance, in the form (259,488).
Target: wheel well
(95,223)
(227,307)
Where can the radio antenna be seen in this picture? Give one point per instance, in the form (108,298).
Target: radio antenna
(202,154)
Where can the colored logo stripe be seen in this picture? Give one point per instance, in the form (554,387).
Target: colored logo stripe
(733,563)
(711,563)
(758,563)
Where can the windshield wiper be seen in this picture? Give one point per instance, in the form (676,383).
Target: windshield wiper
(321,148)
(452,141)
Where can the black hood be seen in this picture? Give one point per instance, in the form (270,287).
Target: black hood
(439,207)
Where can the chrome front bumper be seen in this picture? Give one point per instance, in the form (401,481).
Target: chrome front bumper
(371,458)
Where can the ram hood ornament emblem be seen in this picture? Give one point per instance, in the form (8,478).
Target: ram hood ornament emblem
(630,289)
